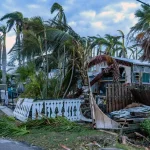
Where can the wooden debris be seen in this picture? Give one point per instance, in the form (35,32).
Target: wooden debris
(140,135)
(64,147)
(110,149)
(127,141)
(133,105)
(140,114)
(124,140)
(109,132)
(95,143)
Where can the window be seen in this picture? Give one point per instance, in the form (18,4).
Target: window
(146,78)
(136,77)
(122,72)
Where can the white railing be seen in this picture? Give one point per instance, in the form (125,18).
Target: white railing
(22,109)
(69,108)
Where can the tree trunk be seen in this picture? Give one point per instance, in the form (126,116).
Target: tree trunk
(4,60)
(0,54)
(124,49)
(19,47)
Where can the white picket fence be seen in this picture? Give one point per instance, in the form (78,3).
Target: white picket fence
(69,108)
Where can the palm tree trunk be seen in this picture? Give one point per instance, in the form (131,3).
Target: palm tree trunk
(19,47)
(4,60)
(47,67)
(123,47)
(0,54)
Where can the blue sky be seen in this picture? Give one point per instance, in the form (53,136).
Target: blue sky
(86,17)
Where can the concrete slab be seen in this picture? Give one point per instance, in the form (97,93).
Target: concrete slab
(6,110)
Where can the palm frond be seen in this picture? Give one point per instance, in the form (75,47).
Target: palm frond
(56,7)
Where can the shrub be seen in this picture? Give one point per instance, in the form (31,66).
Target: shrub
(145,126)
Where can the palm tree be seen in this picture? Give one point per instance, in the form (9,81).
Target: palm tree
(143,15)
(60,18)
(107,45)
(141,30)
(17,19)
(3,29)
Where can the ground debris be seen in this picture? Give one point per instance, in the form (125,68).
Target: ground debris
(65,147)
(98,141)
(144,143)
(110,149)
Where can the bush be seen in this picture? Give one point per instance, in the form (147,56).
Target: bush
(8,127)
(145,126)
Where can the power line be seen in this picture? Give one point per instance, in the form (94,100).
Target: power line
(143,3)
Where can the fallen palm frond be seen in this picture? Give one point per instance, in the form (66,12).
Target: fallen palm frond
(58,124)
(8,127)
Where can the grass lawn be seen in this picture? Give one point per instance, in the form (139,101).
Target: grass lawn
(73,140)
(52,140)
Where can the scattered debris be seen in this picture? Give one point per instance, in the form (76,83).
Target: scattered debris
(133,105)
(65,147)
(110,149)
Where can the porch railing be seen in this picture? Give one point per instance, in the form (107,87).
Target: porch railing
(69,108)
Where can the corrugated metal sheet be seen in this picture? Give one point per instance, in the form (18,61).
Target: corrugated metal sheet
(133,61)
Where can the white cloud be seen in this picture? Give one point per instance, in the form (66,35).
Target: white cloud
(106,13)
(118,17)
(133,19)
(107,20)
(33,6)
(88,14)
(98,25)
(128,5)
(72,24)
(70,2)
(82,22)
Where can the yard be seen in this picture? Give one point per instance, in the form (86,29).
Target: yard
(50,139)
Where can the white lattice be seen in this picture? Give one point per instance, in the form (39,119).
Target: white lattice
(53,108)
(37,108)
(72,109)
(22,109)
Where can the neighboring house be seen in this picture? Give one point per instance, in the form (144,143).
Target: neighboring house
(131,71)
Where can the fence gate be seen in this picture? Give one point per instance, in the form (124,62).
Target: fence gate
(118,96)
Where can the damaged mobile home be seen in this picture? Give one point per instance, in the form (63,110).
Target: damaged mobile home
(112,97)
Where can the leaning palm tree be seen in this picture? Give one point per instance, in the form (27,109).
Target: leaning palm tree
(3,30)
(141,30)
(60,18)
(15,18)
